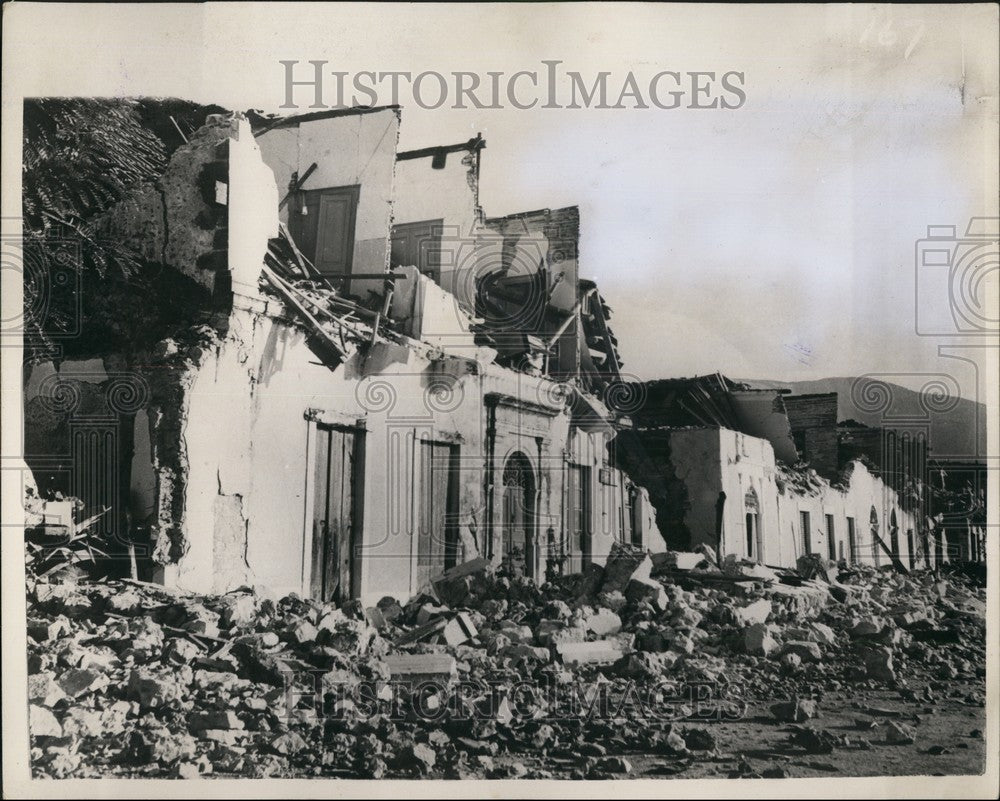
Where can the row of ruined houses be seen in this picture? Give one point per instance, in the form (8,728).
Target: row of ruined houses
(383,382)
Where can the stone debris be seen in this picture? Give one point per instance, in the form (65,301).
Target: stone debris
(759,639)
(794,711)
(584,653)
(815,741)
(421,667)
(129,678)
(899,733)
(43,723)
(757,612)
(604,622)
(625,563)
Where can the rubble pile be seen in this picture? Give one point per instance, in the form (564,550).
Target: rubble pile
(484,674)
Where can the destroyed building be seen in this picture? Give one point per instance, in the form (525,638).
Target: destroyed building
(371,381)
(378,383)
(336,380)
(958,508)
(770,477)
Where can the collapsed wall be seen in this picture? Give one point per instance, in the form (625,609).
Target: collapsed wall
(111,429)
(739,499)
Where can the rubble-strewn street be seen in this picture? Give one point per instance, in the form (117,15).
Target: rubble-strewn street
(662,665)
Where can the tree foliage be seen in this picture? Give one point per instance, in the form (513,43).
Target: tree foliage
(81,156)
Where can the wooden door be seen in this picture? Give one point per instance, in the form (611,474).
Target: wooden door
(436,532)
(418,244)
(335,232)
(336,515)
(322,224)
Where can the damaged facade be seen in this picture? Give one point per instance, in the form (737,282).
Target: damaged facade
(381,382)
(336,430)
(771,477)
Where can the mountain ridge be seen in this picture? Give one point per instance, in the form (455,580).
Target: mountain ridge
(956,427)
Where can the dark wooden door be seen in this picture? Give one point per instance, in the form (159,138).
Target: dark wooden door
(335,514)
(418,244)
(805,526)
(335,231)
(321,221)
(436,534)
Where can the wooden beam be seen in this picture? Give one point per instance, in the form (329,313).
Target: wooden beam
(298,185)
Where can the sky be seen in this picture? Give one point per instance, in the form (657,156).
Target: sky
(775,240)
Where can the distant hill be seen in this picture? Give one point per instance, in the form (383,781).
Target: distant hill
(957,425)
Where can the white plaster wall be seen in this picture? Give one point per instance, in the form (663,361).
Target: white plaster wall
(607,500)
(253,208)
(743,462)
(425,311)
(250,457)
(423,193)
(747,462)
(350,149)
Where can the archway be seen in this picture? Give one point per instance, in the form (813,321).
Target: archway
(518,510)
(894,534)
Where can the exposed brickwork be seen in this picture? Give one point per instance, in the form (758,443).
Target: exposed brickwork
(813,419)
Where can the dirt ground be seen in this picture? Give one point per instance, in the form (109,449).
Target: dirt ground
(949,741)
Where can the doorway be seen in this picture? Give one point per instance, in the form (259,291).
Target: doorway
(578,515)
(337,510)
(437,536)
(873,524)
(322,222)
(518,510)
